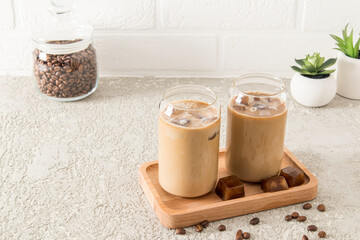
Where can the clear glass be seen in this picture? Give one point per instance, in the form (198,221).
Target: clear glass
(256,123)
(65,65)
(189,128)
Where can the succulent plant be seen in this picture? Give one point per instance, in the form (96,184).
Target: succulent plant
(346,44)
(314,65)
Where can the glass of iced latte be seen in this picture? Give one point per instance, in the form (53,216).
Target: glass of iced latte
(256,122)
(189,127)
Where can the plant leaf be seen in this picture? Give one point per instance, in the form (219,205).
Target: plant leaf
(326,72)
(356,49)
(344,32)
(299,70)
(320,62)
(341,45)
(336,38)
(300,62)
(309,68)
(351,43)
(327,63)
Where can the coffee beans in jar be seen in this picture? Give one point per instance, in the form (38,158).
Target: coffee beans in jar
(66,76)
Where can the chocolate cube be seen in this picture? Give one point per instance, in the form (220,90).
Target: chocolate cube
(273,184)
(230,187)
(294,176)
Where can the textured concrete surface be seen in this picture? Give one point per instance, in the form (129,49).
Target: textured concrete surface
(69,170)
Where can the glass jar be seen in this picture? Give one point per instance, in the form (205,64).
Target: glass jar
(189,128)
(65,66)
(256,122)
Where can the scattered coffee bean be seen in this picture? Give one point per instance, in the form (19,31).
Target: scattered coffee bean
(321,208)
(222,228)
(198,228)
(239,235)
(204,223)
(312,228)
(180,231)
(305,237)
(322,234)
(65,75)
(295,215)
(288,218)
(301,218)
(307,206)
(254,221)
(246,235)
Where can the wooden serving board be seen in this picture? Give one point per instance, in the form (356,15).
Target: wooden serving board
(175,212)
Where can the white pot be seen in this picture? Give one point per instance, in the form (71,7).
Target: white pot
(348,76)
(313,92)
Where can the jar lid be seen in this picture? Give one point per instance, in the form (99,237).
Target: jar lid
(61,34)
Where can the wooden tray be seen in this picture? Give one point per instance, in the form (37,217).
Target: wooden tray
(174,212)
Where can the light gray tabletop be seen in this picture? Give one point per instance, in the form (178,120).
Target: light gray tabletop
(70,170)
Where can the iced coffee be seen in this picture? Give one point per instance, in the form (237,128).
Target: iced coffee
(256,122)
(189,144)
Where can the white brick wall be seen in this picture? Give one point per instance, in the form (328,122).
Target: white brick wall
(187,37)
(104,14)
(222,14)
(6,15)
(330,15)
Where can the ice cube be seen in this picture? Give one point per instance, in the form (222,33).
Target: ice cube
(181,121)
(239,107)
(260,106)
(208,119)
(264,113)
(275,102)
(169,111)
(273,108)
(243,100)
(197,115)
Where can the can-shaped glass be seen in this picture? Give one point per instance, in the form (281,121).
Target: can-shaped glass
(189,128)
(256,123)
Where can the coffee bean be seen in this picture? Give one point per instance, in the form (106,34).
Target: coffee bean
(180,231)
(312,228)
(222,228)
(254,221)
(239,235)
(204,223)
(246,235)
(321,208)
(80,67)
(301,218)
(307,206)
(295,215)
(305,237)
(198,228)
(288,218)
(322,234)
